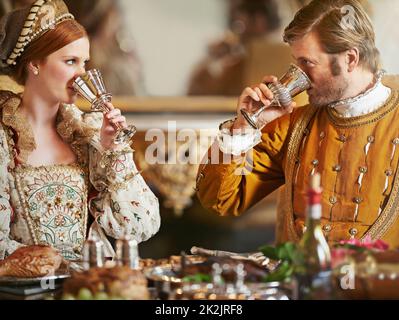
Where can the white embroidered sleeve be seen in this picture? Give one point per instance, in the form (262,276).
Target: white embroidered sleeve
(125,204)
(7,246)
(237,143)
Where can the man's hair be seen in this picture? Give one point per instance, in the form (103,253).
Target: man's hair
(340,25)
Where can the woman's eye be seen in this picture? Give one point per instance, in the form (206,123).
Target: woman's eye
(71,62)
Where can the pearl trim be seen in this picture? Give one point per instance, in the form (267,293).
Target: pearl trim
(26,36)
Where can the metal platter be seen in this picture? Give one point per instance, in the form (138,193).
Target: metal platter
(40,281)
(61,274)
(166,281)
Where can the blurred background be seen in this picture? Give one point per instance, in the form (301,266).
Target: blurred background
(180,64)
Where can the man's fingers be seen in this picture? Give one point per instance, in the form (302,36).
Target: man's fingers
(251,93)
(269,79)
(266,91)
(263,98)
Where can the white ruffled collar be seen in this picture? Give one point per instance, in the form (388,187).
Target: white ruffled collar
(364,103)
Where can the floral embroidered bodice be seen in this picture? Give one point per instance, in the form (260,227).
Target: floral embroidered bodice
(54,201)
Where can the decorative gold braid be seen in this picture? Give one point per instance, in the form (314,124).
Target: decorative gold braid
(389,215)
(294,143)
(25,209)
(353,122)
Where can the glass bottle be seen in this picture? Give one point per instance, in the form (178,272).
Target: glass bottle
(313,269)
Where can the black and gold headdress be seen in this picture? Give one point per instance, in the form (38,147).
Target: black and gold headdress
(19,28)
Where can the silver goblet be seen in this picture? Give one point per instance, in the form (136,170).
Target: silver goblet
(91,87)
(292,83)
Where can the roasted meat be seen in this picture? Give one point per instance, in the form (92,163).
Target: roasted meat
(31,262)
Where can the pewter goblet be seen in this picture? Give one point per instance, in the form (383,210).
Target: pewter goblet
(292,83)
(91,87)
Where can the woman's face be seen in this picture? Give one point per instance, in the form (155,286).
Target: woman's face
(58,71)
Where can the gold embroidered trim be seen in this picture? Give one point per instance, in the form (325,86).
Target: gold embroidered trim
(108,157)
(75,132)
(369,118)
(389,215)
(292,151)
(13,118)
(26,170)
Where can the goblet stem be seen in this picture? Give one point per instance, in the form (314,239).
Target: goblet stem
(123,134)
(274,102)
(252,119)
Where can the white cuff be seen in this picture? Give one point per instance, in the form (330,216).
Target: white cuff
(237,144)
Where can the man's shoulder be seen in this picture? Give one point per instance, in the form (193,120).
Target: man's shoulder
(296,115)
(302,111)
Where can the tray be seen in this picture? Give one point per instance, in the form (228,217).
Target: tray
(24,282)
(165,280)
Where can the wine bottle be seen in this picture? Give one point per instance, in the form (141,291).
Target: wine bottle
(314,263)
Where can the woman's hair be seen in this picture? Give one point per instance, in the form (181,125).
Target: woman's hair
(340,25)
(63,34)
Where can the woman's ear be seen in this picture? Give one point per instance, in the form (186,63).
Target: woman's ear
(33,68)
(352,59)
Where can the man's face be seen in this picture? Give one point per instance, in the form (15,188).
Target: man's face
(327,72)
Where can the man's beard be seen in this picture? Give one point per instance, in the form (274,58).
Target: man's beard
(332,88)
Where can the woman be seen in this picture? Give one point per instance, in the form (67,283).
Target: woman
(57,163)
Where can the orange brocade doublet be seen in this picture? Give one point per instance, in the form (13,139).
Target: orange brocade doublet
(357,158)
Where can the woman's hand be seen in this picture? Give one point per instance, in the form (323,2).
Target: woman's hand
(254,98)
(109,129)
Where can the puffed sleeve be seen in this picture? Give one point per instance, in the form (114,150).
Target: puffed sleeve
(124,205)
(7,246)
(230,185)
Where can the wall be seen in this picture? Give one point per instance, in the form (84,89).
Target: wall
(171,36)
(385,18)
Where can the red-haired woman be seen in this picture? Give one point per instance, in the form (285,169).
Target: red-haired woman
(52,156)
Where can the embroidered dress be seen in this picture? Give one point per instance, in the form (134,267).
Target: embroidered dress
(51,204)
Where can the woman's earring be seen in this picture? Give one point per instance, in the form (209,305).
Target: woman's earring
(36,72)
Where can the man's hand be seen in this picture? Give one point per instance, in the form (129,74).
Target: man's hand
(254,98)
(109,128)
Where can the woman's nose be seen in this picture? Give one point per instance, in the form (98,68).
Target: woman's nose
(80,72)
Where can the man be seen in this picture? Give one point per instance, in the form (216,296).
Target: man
(348,133)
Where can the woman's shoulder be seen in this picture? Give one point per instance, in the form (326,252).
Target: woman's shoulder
(9,102)
(7,97)
(73,122)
